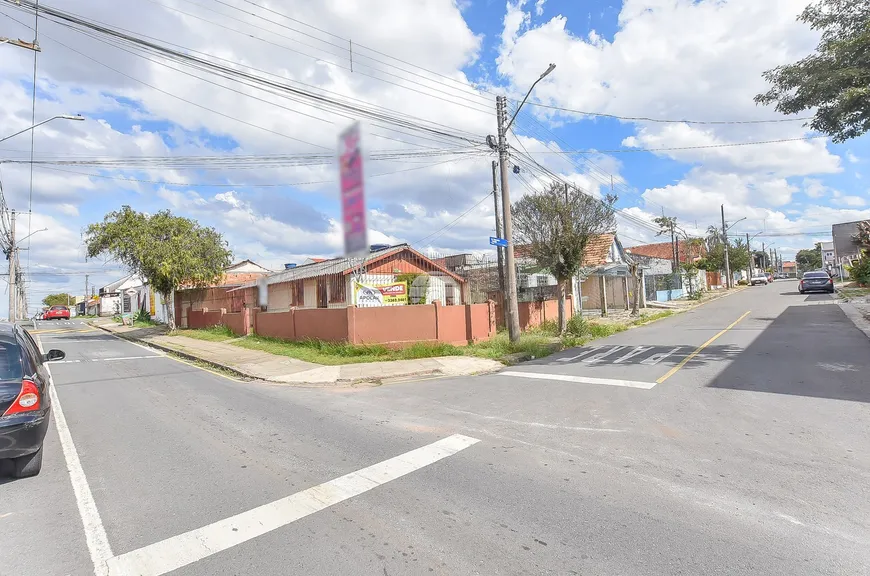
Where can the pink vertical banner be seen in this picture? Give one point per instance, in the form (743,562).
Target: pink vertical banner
(353,206)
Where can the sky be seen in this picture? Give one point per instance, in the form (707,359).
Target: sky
(438,63)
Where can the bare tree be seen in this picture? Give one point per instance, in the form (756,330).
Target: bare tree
(556,225)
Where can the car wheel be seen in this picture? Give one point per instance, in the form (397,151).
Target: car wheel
(801,291)
(27,466)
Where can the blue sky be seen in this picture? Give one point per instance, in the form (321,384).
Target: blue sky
(675,59)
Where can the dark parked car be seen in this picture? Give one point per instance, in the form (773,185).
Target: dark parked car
(816,282)
(25,406)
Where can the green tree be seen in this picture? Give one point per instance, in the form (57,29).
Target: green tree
(809,259)
(738,255)
(58,299)
(835,80)
(168,251)
(556,224)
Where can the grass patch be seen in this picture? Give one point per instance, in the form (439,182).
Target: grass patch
(212,334)
(532,343)
(334,353)
(852,292)
(145,323)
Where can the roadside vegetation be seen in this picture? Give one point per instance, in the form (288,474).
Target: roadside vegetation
(535,343)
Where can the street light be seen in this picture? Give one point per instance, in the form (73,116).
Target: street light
(61,117)
(547,71)
(31,234)
(512,306)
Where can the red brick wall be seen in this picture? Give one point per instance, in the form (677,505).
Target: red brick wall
(235,321)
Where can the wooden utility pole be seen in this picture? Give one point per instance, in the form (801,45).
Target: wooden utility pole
(725,240)
(498,231)
(749,251)
(12,272)
(512,309)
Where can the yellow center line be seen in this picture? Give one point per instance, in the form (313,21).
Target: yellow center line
(697,350)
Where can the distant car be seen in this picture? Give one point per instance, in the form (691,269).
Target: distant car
(56,313)
(759,277)
(24,401)
(819,281)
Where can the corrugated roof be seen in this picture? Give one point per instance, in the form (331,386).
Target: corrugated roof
(344,266)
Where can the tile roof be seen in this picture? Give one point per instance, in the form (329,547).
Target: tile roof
(665,251)
(596,253)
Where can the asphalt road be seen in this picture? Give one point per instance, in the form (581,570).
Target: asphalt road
(696,449)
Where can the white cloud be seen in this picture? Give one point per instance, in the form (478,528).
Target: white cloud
(539,7)
(854,201)
(852,158)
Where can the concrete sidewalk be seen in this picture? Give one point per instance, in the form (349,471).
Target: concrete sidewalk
(273,368)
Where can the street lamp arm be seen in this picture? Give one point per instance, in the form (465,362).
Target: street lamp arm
(550,69)
(31,234)
(734,223)
(62,116)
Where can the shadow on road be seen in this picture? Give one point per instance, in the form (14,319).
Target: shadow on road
(616,357)
(812,351)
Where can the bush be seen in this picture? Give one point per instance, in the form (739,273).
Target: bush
(742,283)
(696,295)
(860,272)
(142,316)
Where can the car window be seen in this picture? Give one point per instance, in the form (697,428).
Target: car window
(10,361)
(815,275)
(58,308)
(34,347)
(32,353)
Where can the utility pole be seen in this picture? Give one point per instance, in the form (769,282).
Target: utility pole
(512,318)
(762,256)
(749,250)
(86,293)
(12,272)
(498,249)
(725,240)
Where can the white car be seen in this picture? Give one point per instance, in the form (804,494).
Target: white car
(759,277)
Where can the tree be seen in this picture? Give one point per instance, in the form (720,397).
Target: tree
(556,224)
(835,80)
(809,259)
(738,255)
(862,238)
(58,299)
(168,251)
(760,259)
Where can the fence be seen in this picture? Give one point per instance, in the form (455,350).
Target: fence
(664,287)
(394,326)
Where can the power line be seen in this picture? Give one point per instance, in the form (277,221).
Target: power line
(670,149)
(264,185)
(664,121)
(454,222)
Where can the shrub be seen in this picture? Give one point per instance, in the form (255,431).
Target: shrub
(696,295)
(860,272)
(742,283)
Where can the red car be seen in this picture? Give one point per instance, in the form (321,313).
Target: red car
(56,313)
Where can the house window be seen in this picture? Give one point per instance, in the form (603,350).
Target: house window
(337,289)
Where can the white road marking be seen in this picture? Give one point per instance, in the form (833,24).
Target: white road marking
(95,533)
(638,350)
(602,355)
(581,379)
(656,358)
(173,553)
(82,360)
(581,355)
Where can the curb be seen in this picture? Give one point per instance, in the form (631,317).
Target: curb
(185,355)
(247,376)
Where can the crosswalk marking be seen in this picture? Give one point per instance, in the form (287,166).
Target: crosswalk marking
(656,358)
(580,379)
(631,354)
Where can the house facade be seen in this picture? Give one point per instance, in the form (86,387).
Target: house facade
(846,249)
(828,256)
(221,294)
(789,269)
(392,276)
(671,285)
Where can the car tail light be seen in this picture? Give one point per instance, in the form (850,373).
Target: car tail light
(27,400)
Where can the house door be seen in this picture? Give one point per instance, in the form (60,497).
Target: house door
(322,301)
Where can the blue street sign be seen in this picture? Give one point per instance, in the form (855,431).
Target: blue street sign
(497,241)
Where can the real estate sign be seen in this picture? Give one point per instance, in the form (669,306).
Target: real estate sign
(353,209)
(380,294)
